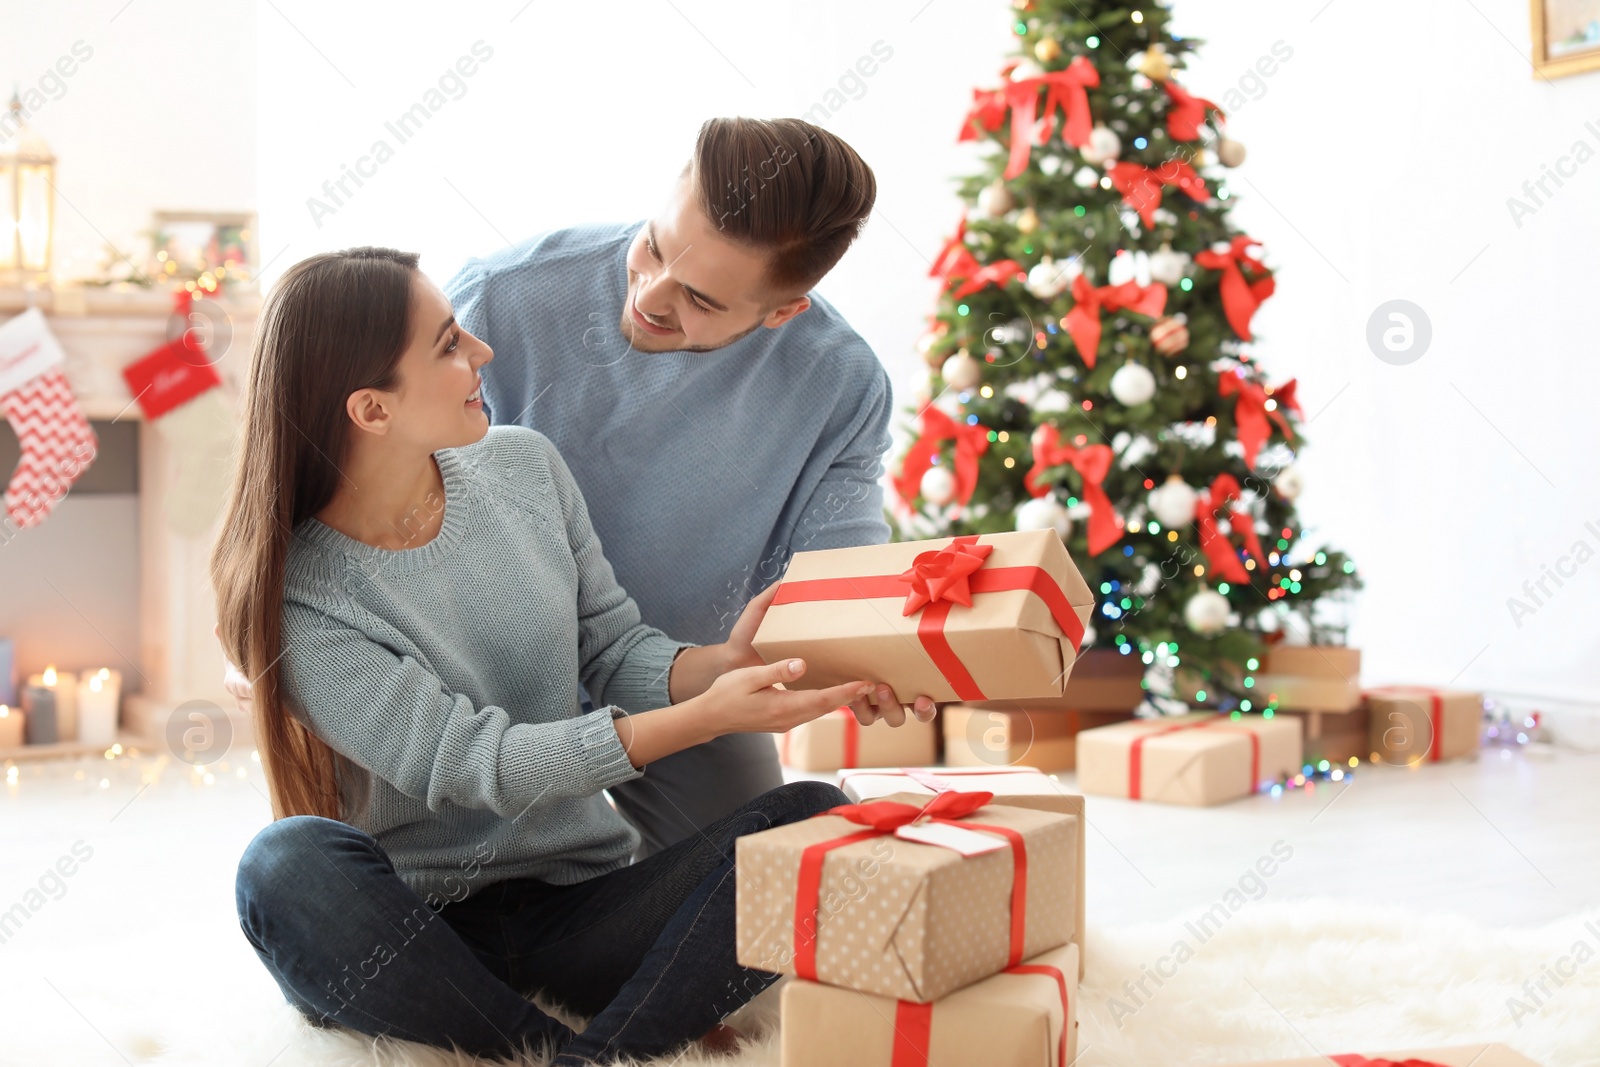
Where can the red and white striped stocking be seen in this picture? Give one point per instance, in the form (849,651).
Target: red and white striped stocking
(57,442)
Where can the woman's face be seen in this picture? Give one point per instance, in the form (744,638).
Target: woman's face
(438,402)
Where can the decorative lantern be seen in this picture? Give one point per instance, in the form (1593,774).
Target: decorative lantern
(27,198)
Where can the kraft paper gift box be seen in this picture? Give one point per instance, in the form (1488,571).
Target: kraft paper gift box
(1196,759)
(1335,736)
(996,616)
(868,903)
(1416,724)
(987,736)
(1026,1018)
(1017,787)
(1458,1056)
(1102,680)
(1311,678)
(837,740)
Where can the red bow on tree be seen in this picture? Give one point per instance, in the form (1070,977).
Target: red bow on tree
(1083,321)
(956,263)
(1250,413)
(1240,298)
(1066,89)
(1093,463)
(1224,558)
(1140,186)
(1186,112)
(942,575)
(971,441)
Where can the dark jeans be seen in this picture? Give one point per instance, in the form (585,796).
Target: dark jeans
(646,951)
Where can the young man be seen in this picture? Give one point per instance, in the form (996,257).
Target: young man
(717,415)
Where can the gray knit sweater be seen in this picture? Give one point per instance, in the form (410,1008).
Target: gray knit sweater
(448,673)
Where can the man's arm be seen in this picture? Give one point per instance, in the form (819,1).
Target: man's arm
(846,508)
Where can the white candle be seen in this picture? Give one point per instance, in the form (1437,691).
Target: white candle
(10,726)
(64,684)
(99,693)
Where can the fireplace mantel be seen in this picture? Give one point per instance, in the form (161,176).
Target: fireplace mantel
(101,332)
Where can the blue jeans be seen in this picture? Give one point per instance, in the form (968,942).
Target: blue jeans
(646,951)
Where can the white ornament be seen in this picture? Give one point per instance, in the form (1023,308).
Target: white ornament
(1050,278)
(1026,70)
(1267,621)
(1289,482)
(1133,384)
(1086,178)
(1172,502)
(1050,166)
(1104,144)
(962,372)
(1206,612)
(1088,637)
(1044,513)
(938,486)
(1229,152)
(1053,402)
(1167,266)
(994,199)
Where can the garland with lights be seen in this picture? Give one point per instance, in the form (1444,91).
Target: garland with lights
(1092,367)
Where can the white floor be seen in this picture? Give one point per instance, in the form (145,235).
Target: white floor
(145,925)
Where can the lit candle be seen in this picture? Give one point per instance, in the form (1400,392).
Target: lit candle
(98,695)
(39,707)
(63,686)
(10,726)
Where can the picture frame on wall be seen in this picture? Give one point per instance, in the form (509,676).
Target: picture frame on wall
(1566,36)
(187,243)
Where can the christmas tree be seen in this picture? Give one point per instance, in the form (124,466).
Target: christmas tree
(1093,361)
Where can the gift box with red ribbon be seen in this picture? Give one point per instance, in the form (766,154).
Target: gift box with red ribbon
(907,897)
(993,737)
(1016,787)
(1417,724)
(1102,680)
(838,740)
(1311,678)
(1198,759)
(1025,1016)
(968,618)
(1458,1056)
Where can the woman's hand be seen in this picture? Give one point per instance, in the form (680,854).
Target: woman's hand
(878,703)
(747,700)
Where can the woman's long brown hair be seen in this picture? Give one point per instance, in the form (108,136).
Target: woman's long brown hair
(333,324)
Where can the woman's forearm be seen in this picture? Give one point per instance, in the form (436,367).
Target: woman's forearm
(650,735)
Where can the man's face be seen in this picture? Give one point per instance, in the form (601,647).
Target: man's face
(690,289)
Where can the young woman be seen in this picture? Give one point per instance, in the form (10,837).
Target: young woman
(415,598)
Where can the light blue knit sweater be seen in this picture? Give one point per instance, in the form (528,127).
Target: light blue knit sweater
(449,673)
(704,471)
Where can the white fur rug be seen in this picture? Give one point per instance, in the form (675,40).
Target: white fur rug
(1280,979)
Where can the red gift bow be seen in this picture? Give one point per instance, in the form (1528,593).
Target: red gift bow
(1250,414)
(913,1022)
(1239,297)
(1355,1060)
(972,441)
(1224,559)
(852,739)
(883,818)
(1435,711)
(942,575)
(1083,321)
(1136,755)
(1187,112)
(930,624)
(1093,462)
(1141,186)
(1066,89)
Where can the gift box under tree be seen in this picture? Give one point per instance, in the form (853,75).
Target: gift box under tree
(1199,759)
(837,740)
(1417,724)
(1102,680)
(1321,686)
(987,736)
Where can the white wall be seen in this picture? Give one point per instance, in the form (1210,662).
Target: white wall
(1381,157)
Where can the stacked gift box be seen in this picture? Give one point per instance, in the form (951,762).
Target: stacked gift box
(938,919)
(1321,686)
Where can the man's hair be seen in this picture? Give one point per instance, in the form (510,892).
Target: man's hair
(787,187)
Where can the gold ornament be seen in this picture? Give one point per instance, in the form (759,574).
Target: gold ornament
(1229,152)
(995,200)
(1027,220)
(1155,65)
(1047,50)
(1169,336)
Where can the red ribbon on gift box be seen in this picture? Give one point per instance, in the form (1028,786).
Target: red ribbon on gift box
(939,580)
(1093,462)
(913,1022)
(1136,754)
(1354,1060)
(883,818)
(1435,711)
